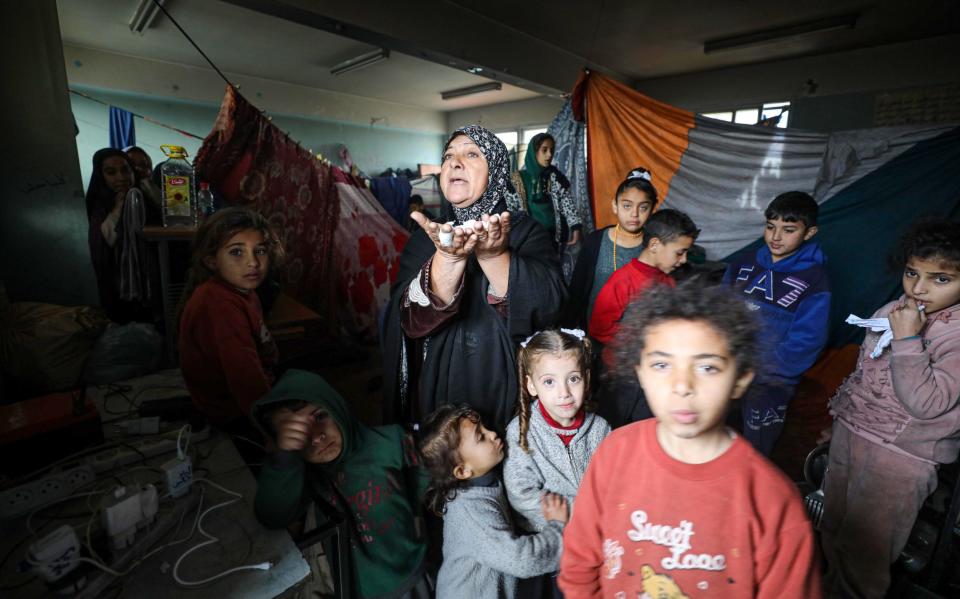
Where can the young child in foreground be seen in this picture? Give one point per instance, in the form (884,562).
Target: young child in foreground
(482,554)
(896,418)
(372,475)
(552,439)
(679,506)
(785,281)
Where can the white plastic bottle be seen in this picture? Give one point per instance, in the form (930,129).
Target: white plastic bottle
(205,205)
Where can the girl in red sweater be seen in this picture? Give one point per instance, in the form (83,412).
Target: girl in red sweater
(678,505)
(226,352)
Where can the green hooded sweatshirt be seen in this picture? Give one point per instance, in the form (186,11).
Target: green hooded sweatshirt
(377,474)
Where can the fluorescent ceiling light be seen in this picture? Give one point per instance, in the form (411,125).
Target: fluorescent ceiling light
(473,89)
(144,17)
(778,34)
(364,60)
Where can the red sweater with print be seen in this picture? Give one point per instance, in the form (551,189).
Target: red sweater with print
(226,353)
(623,286)
(647,523)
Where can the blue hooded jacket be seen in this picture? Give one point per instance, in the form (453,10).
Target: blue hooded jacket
(793,299)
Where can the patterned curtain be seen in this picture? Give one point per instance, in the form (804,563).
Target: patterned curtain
(570,156)
(251,162)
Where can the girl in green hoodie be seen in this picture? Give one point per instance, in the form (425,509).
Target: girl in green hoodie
(371,475)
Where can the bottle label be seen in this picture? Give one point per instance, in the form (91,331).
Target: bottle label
(176,195)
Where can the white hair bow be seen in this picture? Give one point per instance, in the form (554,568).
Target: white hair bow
(639,174)
(578,333)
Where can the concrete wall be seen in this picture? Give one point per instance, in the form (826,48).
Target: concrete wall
(847,82)
(374,149)
(153,78)
(509,115)
(380,135)
(43,221)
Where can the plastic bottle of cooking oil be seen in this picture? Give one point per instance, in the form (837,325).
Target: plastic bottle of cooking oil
(178,189)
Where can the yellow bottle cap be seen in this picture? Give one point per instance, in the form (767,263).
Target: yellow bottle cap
(173,151)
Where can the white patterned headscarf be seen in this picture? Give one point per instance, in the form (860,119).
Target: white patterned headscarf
(498,169)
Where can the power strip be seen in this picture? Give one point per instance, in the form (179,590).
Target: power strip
(32,496)
(26,498)
(136,451)
(145,541)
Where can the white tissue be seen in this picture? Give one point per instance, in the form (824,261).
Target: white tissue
(877,325)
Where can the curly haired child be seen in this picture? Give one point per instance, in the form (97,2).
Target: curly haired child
(483,556)
(679,505)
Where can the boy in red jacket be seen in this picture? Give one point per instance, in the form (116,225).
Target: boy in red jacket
(680,506)
(667,236)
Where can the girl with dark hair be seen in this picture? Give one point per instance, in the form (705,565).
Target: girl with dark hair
(226,352)
(896,418)
(468,292)
(143,166)
(610,248)
(544,192)
(113,176)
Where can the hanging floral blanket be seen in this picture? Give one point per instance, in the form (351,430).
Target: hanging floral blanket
(341,246)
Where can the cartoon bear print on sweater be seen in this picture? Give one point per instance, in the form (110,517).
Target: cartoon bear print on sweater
(659,586)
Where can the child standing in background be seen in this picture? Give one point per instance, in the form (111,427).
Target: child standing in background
(679,506)
(785,281)
(552,439)
(610,248)
(483,556)
(668,235)
(544,192)
(226,353)
(896,418)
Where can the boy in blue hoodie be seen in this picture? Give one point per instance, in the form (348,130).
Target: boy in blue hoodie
(785,281)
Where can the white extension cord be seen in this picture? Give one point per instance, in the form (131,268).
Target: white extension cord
(197,526)
(212,539)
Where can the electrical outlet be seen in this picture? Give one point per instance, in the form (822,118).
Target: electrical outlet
(135,452)
(31,496)
(49,487)
(14,500)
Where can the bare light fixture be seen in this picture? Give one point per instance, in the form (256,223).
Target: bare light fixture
(362,61)
(145,15)
(780,34)
(473,89)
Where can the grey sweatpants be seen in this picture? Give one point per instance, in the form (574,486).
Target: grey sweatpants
(871,500)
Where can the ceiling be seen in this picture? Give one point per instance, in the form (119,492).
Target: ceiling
(643,39)
(270,48)
(539,46)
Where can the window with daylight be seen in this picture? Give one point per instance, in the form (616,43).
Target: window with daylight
(516,141)
(771,114)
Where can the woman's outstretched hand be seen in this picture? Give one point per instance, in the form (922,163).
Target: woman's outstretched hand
(492,233)
(454,244)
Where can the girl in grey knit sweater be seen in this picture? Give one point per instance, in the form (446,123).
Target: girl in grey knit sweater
(551,440)
(483,556)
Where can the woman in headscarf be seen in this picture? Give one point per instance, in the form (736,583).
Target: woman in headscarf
(143,167)
(468,292)
(112,177)
(545,192)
